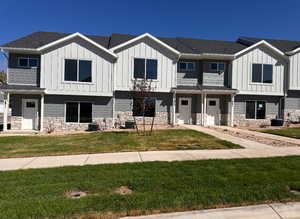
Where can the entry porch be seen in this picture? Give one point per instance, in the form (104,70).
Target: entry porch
(206,106)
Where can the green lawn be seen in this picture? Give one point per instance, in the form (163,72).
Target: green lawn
(157,187)
(287,132)
(24,146)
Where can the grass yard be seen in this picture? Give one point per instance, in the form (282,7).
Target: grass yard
(287,132)
(157,187)
(24,146)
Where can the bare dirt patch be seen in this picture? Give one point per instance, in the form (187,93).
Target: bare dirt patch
(256,138)
(76,194)
(124,190)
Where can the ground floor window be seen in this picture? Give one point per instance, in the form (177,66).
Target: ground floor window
(255,110)
(143,107)
(79,112)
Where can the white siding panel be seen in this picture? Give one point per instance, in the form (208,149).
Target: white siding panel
(242,73)
(53,70)
(294,79)
(166,67)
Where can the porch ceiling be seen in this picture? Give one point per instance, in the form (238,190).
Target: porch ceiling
(205,89)
(21,89)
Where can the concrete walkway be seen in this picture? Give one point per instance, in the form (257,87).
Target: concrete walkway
(251,150)
(271,211)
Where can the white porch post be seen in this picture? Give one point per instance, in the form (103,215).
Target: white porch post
(42,113)
(204,110)
(174,109)
(232,110)
(5,115)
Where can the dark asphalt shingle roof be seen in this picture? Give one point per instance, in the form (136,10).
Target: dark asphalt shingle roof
(282,45)
(183,45)
(38,39)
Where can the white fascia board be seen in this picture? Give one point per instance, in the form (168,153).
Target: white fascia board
(262,42)
(77,35)
(19,49)
(293,51)
(207,55)
(143,36)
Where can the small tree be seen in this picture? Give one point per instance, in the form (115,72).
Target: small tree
(141,94)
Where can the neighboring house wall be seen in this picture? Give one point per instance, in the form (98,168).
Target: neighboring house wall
(272,109)
(21,75)
(294,69)
(242,72)
(124,102)
(145,48)
(188,78)
(52,71)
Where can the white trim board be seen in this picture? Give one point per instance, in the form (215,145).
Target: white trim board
(144,36)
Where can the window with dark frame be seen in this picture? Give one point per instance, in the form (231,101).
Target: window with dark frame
(79,112)
(217,66)
(145,68)
(78,70)
(27,62)
(144,107)
(187,66)
(255,110)
(262,73)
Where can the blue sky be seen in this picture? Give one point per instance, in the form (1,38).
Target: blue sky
(223,20)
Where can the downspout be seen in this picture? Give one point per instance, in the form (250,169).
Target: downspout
(285,89)
(113,92)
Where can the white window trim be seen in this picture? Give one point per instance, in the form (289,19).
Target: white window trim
(145,75)
(262,75)
(78,116)
(28,66)
(186,66)
(218,66)
(255,101)
(77,81)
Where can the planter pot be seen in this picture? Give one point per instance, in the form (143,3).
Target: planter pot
(93,127)
(129,124)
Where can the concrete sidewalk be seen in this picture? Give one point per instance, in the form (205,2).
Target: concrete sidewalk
(271,211)
(251,150)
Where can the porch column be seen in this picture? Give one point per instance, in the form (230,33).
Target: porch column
(174,109)
(42,113)
(204,110)
(5,115)
(232,110)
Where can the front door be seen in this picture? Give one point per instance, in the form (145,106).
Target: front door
(29,113)
(185,110)
(213,111)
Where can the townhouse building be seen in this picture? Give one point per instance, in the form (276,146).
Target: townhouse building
(71,80)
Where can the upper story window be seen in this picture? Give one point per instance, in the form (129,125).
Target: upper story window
(217,66)
(262,73)
(145,68)
(26,62)
(187,66)
(78,70)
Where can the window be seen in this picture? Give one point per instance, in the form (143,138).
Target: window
(30,104)
(184,102)
(145,68)
(79,112)
(143,106)
(212,103)
(187,66)
(262,73)
(255,110)
(78,70)
(217,66)
(28,62)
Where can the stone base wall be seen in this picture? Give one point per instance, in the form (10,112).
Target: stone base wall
(16,122)
(292,115)
(161,118)
(59,124)
(240,120)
